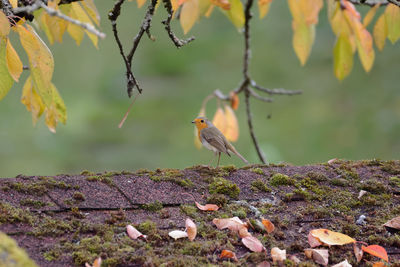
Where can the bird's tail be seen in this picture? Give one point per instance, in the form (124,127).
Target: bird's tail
(240,156)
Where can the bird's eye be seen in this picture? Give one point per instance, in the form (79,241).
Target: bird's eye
(202,121)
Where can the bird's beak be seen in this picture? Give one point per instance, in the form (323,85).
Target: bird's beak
(193,121)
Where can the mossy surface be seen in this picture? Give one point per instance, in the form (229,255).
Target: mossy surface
(11,255)
(295,199)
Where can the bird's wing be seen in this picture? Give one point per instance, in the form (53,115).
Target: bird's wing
(215,138)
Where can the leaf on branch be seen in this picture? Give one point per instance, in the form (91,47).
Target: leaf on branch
(4,25)
(231,126)
(91,10)
(234,99)
(219,120)
(370,15)
(342,57)
(74,31)
(236,13)
(14,3)
(140,3)
(14,64)
(380,32)
(263,7)
(31,99)
(78,13)
(189,14)
(6,80)
(392,15)
(224,4)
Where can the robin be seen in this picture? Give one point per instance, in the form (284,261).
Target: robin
(213,139)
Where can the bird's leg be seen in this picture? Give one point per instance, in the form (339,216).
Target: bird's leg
(219,156)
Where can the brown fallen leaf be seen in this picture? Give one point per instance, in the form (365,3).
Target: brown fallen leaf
(234,224)
(191,229)
(253,244)
(320,256)
(269,226)
(207,207)
(344,263)
(393,223)
(278,255)
(227,254)
(358,252)
(314,242)
(134,233)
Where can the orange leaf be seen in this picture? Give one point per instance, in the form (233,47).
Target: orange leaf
(263,7)
(140,3)
(278,255)
(227,254)
(219,120)
(234,100)
(377,251)
(96,263)
(207,207)
(331,238)
(269,226)
(253,244)
(351,8)
(232,127)
(224,4)
(191,229)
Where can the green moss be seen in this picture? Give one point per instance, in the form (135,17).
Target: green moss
(98,178)
(223,186)
(173,176)
(155,206)
(10,214)
(32,203)
(339,182)
(259,185)
(281,179)
(147,227)
(51,227)
(52,255)
(240,212)
(257,171)
(317,176)
(190,211)
(391,167)
(87,173)
(12,255)
(218,199)
(373,186)
(78,196)
(394,181)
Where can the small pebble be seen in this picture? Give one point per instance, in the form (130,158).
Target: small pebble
(361,220)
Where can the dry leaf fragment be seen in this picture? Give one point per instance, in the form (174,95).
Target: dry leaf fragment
(269,226)
(278,255)
(234,99)
(227,254)
(362,192)
(134,233)
(314,242)
(344,263)
(177,234)
(331,238)
(253,244)
(320,256)
(377,251)
(96,263)
(191,229)
(207,207)
(358,252)
(233,224)
(393,223)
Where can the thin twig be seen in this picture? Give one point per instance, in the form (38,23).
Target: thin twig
(394,2)
(113,16)
(262,98)
(52,12)
(7,8)
(177,42)
(370,3)
(279,91)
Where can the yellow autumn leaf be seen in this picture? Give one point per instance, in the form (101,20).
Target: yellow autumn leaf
(224,4)
(41,18)
(76,32)
(32,100)
(41,62)
(339,24)
(219,120)
(59,105)
(4,25)
(51,118)
(231,125)
(6,81)
(197,142)
(380,32)
(78,13)
(236,13)
(14,64)
(175,5)
(310,10)
(14,3)
(263,7)
(140,3)
(204,6)
(189,14)
(303,39)
(342,57)
(392,14)
(91,10)
(331,238)
(370,15)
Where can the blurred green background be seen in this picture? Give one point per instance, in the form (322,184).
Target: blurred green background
(358,118)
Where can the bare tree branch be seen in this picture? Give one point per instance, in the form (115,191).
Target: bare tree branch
(177,42)
(279,91)
(52,12)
